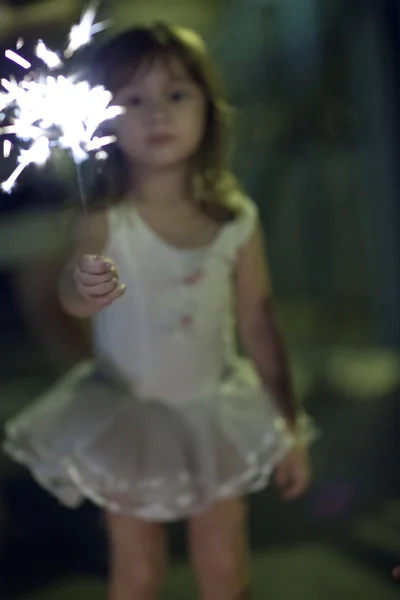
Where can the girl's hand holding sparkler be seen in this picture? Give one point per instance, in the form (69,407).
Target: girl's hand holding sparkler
(96,280)
(89,282)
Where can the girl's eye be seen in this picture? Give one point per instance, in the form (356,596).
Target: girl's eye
(178,96)
(134,101)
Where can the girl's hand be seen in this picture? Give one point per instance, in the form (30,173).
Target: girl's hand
(96,280)
(396,572)
(293,473)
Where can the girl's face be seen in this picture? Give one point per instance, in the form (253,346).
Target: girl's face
(165,116)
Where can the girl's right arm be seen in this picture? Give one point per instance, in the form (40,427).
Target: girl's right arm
(89,281)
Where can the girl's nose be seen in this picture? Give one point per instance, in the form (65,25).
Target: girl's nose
(158,111)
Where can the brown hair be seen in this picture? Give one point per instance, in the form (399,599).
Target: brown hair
(116,63)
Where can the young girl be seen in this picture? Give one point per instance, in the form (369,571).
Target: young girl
(168,422)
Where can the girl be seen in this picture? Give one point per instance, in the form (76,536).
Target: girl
(168,423)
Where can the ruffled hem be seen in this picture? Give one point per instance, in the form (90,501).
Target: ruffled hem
(71,489)
(90,438)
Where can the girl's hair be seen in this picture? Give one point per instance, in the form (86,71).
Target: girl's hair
(114,66)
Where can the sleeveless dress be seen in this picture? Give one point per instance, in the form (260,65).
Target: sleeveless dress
(167,419)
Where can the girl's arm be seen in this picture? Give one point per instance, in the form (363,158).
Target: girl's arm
(258,325)
(90,237)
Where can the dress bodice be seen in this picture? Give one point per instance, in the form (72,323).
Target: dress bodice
(172,333)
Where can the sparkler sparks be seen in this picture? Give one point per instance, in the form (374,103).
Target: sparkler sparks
(49,111)
(50,58)
(81,34)
(19,60)
(7,147)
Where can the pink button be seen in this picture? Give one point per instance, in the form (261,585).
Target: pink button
(193,277)
(186,321)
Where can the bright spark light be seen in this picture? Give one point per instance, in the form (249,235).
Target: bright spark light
(7,146)
(101,155)
(81,34)
(19,60)
(55,111)
(38,153)
(50,58)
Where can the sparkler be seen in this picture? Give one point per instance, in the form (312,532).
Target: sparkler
(49,110)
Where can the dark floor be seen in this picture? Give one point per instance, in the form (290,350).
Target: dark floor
(306,572)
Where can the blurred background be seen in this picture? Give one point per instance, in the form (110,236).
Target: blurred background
(316,84)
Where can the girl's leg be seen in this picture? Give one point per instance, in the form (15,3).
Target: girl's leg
(219,552)
(138,557)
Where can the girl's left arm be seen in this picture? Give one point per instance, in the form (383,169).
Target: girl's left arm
(258,327)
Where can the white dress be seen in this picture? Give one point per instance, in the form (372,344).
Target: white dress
(168,418)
